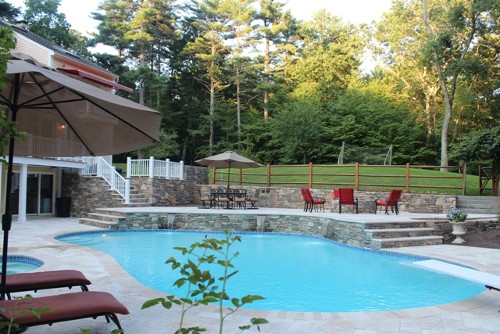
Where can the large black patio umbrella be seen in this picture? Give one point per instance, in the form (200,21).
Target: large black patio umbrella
(72,118)
(228,159)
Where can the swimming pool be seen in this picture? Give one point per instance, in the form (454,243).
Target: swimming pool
(20,264)
(293,273)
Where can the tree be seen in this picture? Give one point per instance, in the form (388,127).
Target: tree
(209,48)
(9,12)
(44,19)
(399,39)
(270,30)
(330,59)
(298,130)
(481,146)
(239,14)
(368,115)
(113,24)
(453,28)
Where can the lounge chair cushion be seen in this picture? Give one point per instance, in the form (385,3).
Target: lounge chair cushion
(64,307)
(46,280)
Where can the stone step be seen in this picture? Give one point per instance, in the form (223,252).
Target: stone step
(479,204)
(395,224)
(109,211)
(105,217)
(99,223)
(406,242)
(391,233)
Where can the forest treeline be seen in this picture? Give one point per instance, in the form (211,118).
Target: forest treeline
(246,75)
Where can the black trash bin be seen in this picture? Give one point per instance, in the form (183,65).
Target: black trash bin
(63,206)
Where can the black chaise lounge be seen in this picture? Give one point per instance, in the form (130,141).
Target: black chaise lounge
(45,280)
(63,307)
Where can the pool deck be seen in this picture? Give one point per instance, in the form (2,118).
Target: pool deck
(35,238)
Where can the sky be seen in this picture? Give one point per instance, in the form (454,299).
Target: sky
(355,11)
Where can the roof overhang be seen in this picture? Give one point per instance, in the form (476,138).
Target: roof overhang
(96,79)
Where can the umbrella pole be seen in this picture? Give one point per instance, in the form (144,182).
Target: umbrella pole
(7,216)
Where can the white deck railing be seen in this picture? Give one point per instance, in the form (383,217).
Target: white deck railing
(98,166)
(155,168)
(45,147)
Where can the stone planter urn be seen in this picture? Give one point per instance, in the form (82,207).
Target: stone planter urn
(459,230)
(457,220)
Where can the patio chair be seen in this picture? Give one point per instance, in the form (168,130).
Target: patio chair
(223,198)
(240,198)
(63,307)
(206,199)
(392,201)
(346,197)
(252,199)
(310,202)
(42,280)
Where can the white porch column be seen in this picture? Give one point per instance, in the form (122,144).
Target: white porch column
(23,192)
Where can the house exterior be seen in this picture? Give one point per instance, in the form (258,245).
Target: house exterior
(37,179)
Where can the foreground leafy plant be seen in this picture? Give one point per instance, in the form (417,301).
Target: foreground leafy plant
(11,314)
(202,286)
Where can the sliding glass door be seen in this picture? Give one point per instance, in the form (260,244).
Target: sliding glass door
(39,194)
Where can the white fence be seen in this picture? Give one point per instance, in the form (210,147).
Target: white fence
(155,168)
(45,147)
(98,166)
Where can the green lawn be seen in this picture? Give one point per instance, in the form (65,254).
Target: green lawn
(370,178)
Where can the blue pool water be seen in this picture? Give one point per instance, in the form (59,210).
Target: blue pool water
(20,264)
(293,273)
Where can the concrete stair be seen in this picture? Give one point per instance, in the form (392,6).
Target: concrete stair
(102,219)
(137,199)
(401,234)
(479,204)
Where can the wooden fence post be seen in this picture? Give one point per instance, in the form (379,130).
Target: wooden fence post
(240,177)
(268,174)
(464,178)
(407,177)
(310,174)
(356,178)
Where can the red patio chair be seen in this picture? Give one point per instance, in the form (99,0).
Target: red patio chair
(311,203)
(346,197)
(392,201)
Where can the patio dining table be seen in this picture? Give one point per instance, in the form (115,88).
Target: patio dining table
(226,198)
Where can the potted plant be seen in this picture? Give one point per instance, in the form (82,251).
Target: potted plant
(457,219)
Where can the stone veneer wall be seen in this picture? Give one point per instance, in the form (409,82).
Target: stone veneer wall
(88,193)
(291,198)
(162,192)
(349,233)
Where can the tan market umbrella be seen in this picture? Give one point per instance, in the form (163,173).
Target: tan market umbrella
(228,159)
(73,118)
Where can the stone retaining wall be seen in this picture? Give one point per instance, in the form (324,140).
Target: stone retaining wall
(291,198)
(349,233)
(89,193)
(444,227)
